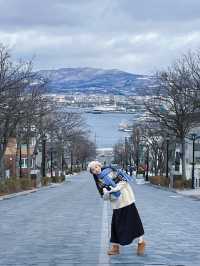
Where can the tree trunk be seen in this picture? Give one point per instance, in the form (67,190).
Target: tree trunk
(2,169)
(2,160)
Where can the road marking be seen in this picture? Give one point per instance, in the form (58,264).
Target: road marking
(175,196)
(103,257)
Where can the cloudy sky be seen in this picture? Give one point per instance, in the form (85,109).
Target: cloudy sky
(139,36)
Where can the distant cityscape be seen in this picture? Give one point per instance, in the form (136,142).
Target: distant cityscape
(101,103)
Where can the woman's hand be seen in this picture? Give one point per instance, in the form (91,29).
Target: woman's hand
(118,187)
(106,194)
(105,191)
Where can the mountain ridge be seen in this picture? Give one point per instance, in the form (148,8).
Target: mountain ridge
(96,80)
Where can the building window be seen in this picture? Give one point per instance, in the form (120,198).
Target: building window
(197,160)
(197,147)
(24,163)
(177,167)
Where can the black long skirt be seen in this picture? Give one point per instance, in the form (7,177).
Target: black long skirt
(126,225)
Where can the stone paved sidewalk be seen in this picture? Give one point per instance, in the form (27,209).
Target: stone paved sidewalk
(193,193)
(70,225)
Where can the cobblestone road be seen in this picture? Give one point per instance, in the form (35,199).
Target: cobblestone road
(69,225)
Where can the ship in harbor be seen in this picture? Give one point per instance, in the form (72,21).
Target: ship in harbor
(125,127)
(107,109)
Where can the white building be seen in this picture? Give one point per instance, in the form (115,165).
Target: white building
(177,166)
(105,155)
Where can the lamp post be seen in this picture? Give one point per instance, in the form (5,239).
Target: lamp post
(62,162)
(72,161)
(167,158)
(147,162)
(51,158)
(130,163)
(44,138)
(193,137)
(20,160)
(137,159)
(193,144)
(126,154)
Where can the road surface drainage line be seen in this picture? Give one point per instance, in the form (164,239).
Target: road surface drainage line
(103,257)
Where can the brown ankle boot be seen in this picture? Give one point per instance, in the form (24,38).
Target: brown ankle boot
(141,248)
(114,250)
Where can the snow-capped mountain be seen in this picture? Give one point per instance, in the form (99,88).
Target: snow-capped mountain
(93,80)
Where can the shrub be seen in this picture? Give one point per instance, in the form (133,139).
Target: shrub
(45,180)
(62,178)
(181,184)
(178,184)
(58,179)
(159,180)
(77,169)
(187,183)
(26,183)
(3,188)
(13,185)
(140,170)
(67,172)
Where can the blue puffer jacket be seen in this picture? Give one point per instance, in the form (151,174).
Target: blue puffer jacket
(105,177)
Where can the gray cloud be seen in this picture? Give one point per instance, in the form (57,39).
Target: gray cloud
(137,36)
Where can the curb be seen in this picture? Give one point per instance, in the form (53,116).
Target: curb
(26,192)
(162,188)
(196,197)
(21,193)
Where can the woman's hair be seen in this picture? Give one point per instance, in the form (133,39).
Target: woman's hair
(92,164)
(89,168)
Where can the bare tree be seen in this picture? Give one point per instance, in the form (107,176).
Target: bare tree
(119,153)
(176,99)
(136,138)
(84,149)
(15,81)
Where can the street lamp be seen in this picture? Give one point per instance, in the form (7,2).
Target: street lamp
(126,154)
(147,162)
(71,154)
(193,144)
(51,158)
(193,138)
(20,160)
(44,138)
(62,162)
(167,158)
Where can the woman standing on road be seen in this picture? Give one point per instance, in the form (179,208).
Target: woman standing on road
(126,224)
